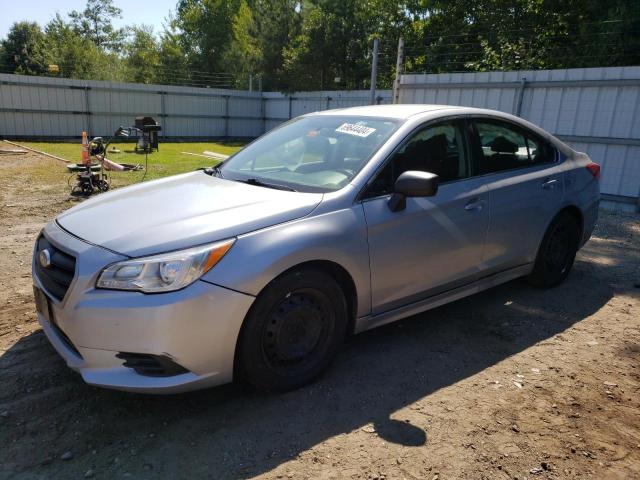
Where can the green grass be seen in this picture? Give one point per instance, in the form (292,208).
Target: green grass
(169,160)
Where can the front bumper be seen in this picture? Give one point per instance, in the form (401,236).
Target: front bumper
(196,327)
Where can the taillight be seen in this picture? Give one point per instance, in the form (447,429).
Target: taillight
(594,169)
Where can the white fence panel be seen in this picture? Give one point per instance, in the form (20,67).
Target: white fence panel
(596,110)
(53,107)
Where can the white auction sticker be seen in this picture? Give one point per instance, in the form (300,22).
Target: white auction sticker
(355,129)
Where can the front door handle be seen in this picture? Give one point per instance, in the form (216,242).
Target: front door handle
(474,205)
(550,184)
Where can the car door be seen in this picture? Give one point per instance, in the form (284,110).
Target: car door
(525,190)
(435,243)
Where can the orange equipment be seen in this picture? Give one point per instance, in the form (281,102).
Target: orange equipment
(85,149)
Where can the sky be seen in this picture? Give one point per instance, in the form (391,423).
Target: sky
(152,12)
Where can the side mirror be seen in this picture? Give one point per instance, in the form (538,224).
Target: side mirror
(412,183)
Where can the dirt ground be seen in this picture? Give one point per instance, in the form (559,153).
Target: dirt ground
(512,383)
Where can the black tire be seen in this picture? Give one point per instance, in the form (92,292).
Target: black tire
(86,189)
(292,331)
(557,252)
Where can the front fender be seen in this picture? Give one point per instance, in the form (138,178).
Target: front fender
(258,257)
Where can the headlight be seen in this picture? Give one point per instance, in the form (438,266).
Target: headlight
(165,272)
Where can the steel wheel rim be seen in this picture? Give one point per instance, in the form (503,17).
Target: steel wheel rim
(297,330)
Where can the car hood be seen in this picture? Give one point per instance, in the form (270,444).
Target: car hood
(180,212)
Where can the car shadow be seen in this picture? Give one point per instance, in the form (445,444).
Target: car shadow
(236,434)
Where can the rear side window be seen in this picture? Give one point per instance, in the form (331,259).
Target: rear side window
(506,147)
(540,151)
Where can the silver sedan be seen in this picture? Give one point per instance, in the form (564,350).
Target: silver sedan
(334,223)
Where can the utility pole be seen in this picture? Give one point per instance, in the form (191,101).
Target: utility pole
(399,69)
(374,69)
(251,82)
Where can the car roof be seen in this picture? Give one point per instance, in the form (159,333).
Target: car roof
(406,111)
(399,111)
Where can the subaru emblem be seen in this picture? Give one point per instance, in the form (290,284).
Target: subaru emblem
(44,257)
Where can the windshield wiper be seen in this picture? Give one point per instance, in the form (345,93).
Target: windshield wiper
(213,171)
(260,183)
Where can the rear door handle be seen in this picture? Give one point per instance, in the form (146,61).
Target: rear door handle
(550,184)
(474,205)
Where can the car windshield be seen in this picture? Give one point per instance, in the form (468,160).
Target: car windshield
(319,153)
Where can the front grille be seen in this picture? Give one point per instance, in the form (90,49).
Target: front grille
(151,365)
(58,276)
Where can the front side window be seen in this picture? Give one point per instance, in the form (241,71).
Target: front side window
(311,154)
(436,149)
(505,147)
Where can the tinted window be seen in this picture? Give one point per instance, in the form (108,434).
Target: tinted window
(505,147)
(437,149)
(540,151)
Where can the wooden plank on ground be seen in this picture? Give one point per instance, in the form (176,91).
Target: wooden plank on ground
(60,159)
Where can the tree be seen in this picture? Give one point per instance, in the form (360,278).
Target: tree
(23,51)
(333,47)
(526,34)
(95,23)
(277,23)
(207,31)
(243,55)
(307,44)
(173,66)
(76,56)
(142,55)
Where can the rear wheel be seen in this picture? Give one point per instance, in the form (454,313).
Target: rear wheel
(557,252)
(292,332)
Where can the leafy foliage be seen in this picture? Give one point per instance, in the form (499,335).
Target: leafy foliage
(95,23)
(142,55)
(74,55)
(207,30)
(243,53)
(325,44)
(527,34)
(24,49)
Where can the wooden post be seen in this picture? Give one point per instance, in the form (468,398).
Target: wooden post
(374,69)
(399,69)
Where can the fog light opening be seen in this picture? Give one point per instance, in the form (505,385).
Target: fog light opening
(151,365)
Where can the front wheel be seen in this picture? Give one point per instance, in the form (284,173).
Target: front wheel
(292,332)
(557,252)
